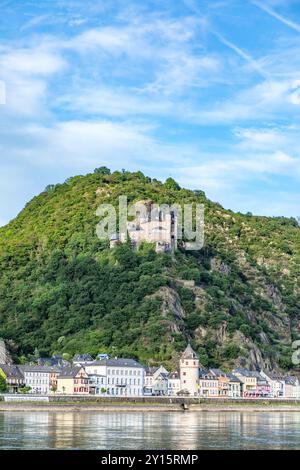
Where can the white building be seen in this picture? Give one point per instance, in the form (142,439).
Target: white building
(174,384)
(292,387)
(120,377)
(156,381)
(235,386)
(208,384)
(276,382)
(98,384)
(37,378)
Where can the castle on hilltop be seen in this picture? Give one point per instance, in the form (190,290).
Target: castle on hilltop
(151,224)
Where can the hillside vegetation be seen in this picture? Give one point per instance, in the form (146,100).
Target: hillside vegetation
(62,290)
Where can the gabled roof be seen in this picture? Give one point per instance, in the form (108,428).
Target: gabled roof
(70,372)
(291,380)
(260,378)
(273,375)
(243,372)
(174,375)
(11,371)
(151,370)
(217,372)
(189,353)
(205,373)
(233,378)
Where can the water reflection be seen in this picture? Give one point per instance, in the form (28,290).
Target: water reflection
(153,430)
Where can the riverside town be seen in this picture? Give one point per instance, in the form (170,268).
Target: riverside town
(105,376)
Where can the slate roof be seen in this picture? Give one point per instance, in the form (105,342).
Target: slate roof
(244,372)
(291,380)
(189,353)
(11,371)
(151,370)
(174,375)
(273,375)
(69,372)
(206,374)
(117,363)
(218,372)
(233,378)
(123,363)
(37,368)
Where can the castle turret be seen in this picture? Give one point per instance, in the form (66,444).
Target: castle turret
(189,371)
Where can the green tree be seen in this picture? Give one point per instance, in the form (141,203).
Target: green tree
(170,183)
(3,386)
(102,170)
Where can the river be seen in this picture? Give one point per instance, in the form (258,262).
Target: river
(152,430)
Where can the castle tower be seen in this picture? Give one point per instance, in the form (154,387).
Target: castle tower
(189,371)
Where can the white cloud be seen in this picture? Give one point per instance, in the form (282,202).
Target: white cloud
(30,61)
(266,100)
(261,139)
(83,144)
(26,72)
(180,71)
(109,101)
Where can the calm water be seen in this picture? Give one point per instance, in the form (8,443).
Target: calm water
(154,430)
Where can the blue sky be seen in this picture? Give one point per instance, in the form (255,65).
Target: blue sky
(205,91)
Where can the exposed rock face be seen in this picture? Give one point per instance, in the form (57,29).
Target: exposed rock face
(219,266)
(254,359)
(3,355)
(171,302)
(171,305)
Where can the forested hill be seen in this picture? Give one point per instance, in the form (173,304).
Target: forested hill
(62,290)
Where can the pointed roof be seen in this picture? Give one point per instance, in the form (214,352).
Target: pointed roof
(189,353)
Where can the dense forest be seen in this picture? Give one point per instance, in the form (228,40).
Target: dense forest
(62,290)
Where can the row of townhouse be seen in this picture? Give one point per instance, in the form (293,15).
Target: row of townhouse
(107,377)
(127,377)
(197,381)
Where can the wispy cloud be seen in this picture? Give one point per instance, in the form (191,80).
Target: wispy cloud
(291,24)
(35,21)
(244,55)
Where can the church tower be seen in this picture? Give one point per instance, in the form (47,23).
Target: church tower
(189,371)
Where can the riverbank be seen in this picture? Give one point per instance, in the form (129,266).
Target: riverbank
(148,407)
